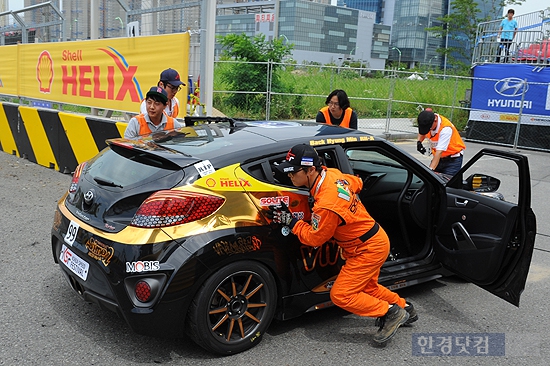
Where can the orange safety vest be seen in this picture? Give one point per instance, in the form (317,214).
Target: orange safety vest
(175,108)
(338,193)
(456,144)
(345,121)
(144,128)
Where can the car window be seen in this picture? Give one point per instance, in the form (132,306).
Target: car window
(266,169)
(507,174)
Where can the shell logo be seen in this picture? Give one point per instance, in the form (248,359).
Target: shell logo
(44,72)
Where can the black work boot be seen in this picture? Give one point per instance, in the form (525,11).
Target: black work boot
(409,308)
(389,323)
(413,316)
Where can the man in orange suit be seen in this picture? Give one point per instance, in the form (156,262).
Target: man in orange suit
(338,214)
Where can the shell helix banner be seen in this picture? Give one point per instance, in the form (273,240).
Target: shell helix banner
(113,73)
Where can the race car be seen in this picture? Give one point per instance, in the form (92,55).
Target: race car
(170,231)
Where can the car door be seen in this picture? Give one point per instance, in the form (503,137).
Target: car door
(487,237)
(316,267)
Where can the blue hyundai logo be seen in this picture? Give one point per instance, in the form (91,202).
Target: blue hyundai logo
(511,87)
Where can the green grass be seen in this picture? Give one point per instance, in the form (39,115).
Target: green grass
(370,94)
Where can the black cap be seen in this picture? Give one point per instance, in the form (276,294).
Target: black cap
(172,77)
(425,121)
(159,92)
(298,157)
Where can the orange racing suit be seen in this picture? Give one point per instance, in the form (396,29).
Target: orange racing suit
(338,213)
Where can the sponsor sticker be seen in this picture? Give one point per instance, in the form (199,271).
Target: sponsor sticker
(142,266)
(73,262)
(204,168)
(274,201)
(315,221)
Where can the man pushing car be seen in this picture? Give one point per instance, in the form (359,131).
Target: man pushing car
(338,214)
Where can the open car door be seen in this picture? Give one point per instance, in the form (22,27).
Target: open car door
(487,236)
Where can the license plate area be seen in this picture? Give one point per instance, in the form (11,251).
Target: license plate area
(74,263)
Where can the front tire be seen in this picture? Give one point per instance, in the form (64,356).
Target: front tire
(233,308)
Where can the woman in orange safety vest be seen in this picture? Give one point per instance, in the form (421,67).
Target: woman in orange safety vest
(338,111)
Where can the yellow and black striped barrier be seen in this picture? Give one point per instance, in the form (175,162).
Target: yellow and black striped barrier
(54,139)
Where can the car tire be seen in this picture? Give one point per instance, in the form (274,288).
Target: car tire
(233,309)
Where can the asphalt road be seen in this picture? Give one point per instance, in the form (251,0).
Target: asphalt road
(42,322)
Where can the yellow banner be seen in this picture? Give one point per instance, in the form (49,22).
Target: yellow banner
(113,73)
(8,70)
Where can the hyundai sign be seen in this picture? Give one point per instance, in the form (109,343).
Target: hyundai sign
(501,91)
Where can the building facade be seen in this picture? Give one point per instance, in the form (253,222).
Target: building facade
(320,32)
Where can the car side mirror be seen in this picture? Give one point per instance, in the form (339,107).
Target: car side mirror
(481,183)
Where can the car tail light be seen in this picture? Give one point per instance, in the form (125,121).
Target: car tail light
(76,177)
(143,291)
(169,208)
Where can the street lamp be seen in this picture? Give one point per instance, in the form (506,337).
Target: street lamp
(430,62)
(398,50)
(285,37)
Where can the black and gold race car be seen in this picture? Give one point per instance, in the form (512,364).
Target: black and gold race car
(170,231)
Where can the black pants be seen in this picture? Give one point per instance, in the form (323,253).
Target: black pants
(504,45)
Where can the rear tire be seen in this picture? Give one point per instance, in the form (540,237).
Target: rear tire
(233,308)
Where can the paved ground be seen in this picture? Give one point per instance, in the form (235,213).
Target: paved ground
(45,323)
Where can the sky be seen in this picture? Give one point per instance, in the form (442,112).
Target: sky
(528,6)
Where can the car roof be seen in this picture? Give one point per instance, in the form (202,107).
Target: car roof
(226,143)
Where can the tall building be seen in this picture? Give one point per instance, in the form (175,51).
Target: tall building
(3,8)
(409,35)
(376,6)
(320,32)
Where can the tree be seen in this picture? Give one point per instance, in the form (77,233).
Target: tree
(251,74)
(460,26)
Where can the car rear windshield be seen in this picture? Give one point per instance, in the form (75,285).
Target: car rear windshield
(125,168)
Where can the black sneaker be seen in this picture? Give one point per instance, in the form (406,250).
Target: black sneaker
(413,316)
(394,318)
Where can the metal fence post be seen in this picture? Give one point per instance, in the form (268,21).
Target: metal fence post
(516,137)
(268,89)
(389,109)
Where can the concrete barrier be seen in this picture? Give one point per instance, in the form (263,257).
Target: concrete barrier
(57,140)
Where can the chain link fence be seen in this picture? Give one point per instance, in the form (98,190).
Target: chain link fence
(388,99)
(291,91)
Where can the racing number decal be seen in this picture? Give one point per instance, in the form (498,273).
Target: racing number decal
(72,230)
